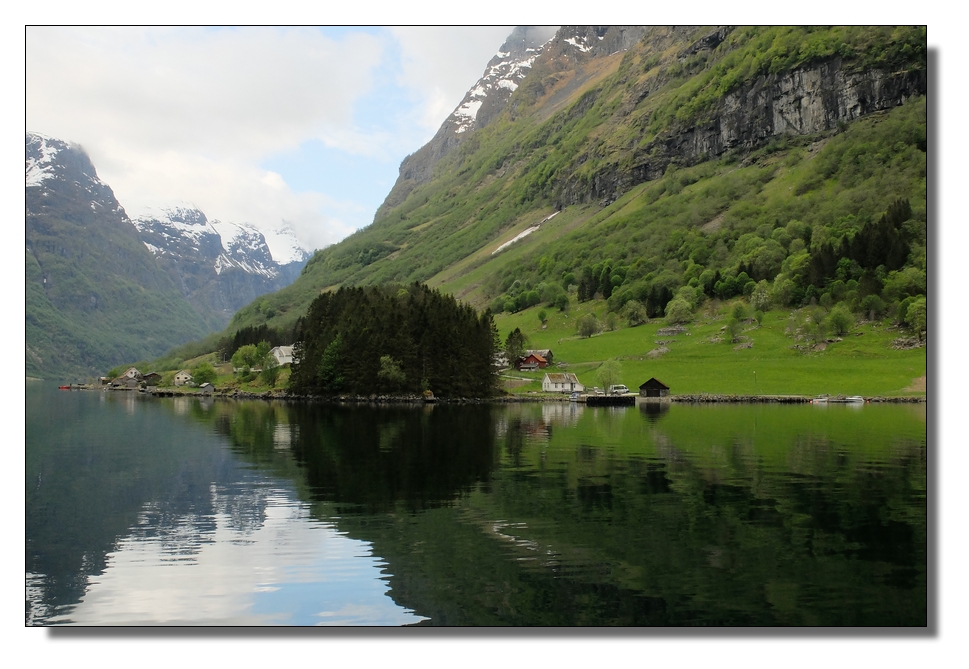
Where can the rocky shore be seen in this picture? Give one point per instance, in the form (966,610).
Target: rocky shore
(702,398)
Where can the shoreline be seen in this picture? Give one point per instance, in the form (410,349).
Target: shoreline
(686,398)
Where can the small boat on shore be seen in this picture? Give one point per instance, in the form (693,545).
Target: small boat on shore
(63,387)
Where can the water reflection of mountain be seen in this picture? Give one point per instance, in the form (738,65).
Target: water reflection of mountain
(519,515)
(100,470)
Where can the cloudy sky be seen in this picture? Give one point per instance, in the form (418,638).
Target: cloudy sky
(298,126)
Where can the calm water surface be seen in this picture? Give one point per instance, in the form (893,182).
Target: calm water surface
(211,512)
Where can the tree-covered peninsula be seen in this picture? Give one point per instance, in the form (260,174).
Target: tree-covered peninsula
(394,339)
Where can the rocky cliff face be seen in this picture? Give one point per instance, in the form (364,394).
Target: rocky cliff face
(219,267)
(801,102)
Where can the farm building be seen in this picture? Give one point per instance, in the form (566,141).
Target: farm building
(545,353)
(654,388)
(283,355)
(561,383)
(182,377)
(531,362)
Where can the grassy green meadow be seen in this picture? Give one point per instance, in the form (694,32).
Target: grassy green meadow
(863,363)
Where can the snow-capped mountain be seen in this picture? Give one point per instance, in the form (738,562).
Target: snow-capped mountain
(220,265)
(51,162)
(504,73)
(185,231)
(490,94)
(102,288)
(94,295)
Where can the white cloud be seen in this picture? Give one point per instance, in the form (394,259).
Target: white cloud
(236,92)
(188,114)
(229,577)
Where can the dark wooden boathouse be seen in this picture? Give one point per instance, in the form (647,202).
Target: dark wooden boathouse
(654,388)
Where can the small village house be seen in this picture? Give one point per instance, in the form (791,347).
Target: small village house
(131,373)
(206,388)
(654,388)
(545,353)
(152,378)
(530,363)
(182,377)
(283,355)
(562,383)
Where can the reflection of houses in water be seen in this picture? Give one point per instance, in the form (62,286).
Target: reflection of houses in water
(527,426)
(283,436)
(653,411)
(180,405)
(562,413)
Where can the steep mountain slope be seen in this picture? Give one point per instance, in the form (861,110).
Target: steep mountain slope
(103,289)
(480,105)
(672,158)
(95,296)
(219,267)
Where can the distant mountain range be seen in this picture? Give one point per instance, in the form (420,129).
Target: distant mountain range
(103,289)
(218,266)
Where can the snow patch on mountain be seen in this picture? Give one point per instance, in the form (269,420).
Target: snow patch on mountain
(502,76)
(579,42)
(40,166)
(45,160)
(284,246)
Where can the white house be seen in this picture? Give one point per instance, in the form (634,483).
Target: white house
(182,377)
(131,373)
(283,355)
(561,383)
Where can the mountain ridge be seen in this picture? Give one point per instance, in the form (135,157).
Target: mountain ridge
(103,288)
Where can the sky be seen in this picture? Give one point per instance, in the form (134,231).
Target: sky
(302,127)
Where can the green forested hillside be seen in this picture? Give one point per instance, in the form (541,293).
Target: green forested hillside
(669,180)
(94,296)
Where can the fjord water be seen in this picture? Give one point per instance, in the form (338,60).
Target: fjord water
(197,511)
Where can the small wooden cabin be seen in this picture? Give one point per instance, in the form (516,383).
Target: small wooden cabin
(531,362)
(654,388)
(544,353)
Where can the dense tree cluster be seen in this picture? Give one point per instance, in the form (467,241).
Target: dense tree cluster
(253,335)
(394,339)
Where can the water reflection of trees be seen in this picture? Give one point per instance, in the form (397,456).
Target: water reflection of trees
(377,458)
(527,516)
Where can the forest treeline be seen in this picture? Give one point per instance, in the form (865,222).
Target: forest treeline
(394,339)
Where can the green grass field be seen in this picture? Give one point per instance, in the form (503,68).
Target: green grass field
(863,363)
